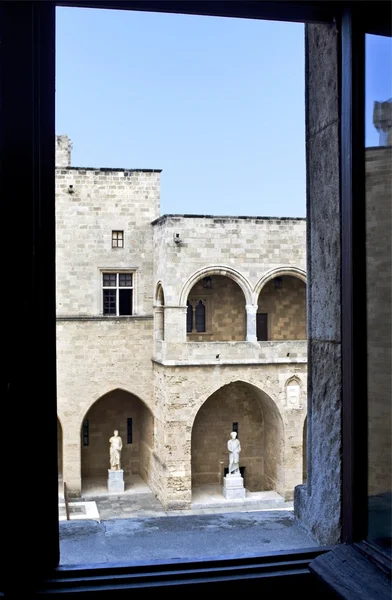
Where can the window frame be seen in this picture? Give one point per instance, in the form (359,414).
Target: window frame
(27,137)
(194,301)
(116,238)
(117,288)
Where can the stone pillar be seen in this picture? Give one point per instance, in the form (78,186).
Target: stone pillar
(322,518)
(72,465)
(159,322)
(251,334)
(175,324)
(178,480)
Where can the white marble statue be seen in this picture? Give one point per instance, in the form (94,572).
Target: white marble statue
(115,451)
(234,448)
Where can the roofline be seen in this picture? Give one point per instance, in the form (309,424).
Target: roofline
(163,218)
(105,169)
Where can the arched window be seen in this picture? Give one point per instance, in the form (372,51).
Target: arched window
(200,317)
(189,317)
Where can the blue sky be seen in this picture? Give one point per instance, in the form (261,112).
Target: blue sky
(217,104)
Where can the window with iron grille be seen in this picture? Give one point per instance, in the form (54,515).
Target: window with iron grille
(117,293)
(117,239)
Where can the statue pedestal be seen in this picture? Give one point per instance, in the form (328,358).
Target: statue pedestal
(233,487)
(116,481)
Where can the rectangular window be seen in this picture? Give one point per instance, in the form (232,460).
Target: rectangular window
(200,317)
(117,293)
(117,239)
(197,315)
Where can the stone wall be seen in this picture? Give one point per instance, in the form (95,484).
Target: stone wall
(191,397)
(146,444)
(236,353)
(101,201)
(95,357)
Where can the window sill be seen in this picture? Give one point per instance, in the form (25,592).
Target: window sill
(276,571)
(102,317)
(348,574)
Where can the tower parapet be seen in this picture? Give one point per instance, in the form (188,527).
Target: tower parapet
(63,151)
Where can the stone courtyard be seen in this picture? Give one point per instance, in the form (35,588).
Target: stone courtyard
(176,330)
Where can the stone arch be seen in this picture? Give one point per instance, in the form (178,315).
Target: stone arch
(102,390)
(222,270)
(260,431)
(268,387)
(159,296)
(159,312)
(278,272)
(280,298)
(122,410)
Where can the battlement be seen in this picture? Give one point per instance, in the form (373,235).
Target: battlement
(63,151)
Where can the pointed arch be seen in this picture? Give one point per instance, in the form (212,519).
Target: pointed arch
(159,296)
(261,432)
(121,410)
(293,379)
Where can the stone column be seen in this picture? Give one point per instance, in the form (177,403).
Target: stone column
(178,488)
(175,324)
(159,322)
(251,310)
(72,464)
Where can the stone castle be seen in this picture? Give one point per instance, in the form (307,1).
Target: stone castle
(176,330)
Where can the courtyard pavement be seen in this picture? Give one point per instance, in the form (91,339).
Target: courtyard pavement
(133,526)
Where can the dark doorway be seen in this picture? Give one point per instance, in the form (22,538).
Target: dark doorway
(262,327)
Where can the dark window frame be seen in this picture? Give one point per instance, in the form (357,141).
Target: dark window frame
(116,239)
(129,430)
(264,328)
(112,295)
(189,317)
(27,140)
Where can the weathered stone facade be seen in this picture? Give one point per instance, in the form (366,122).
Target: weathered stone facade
(186,361)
